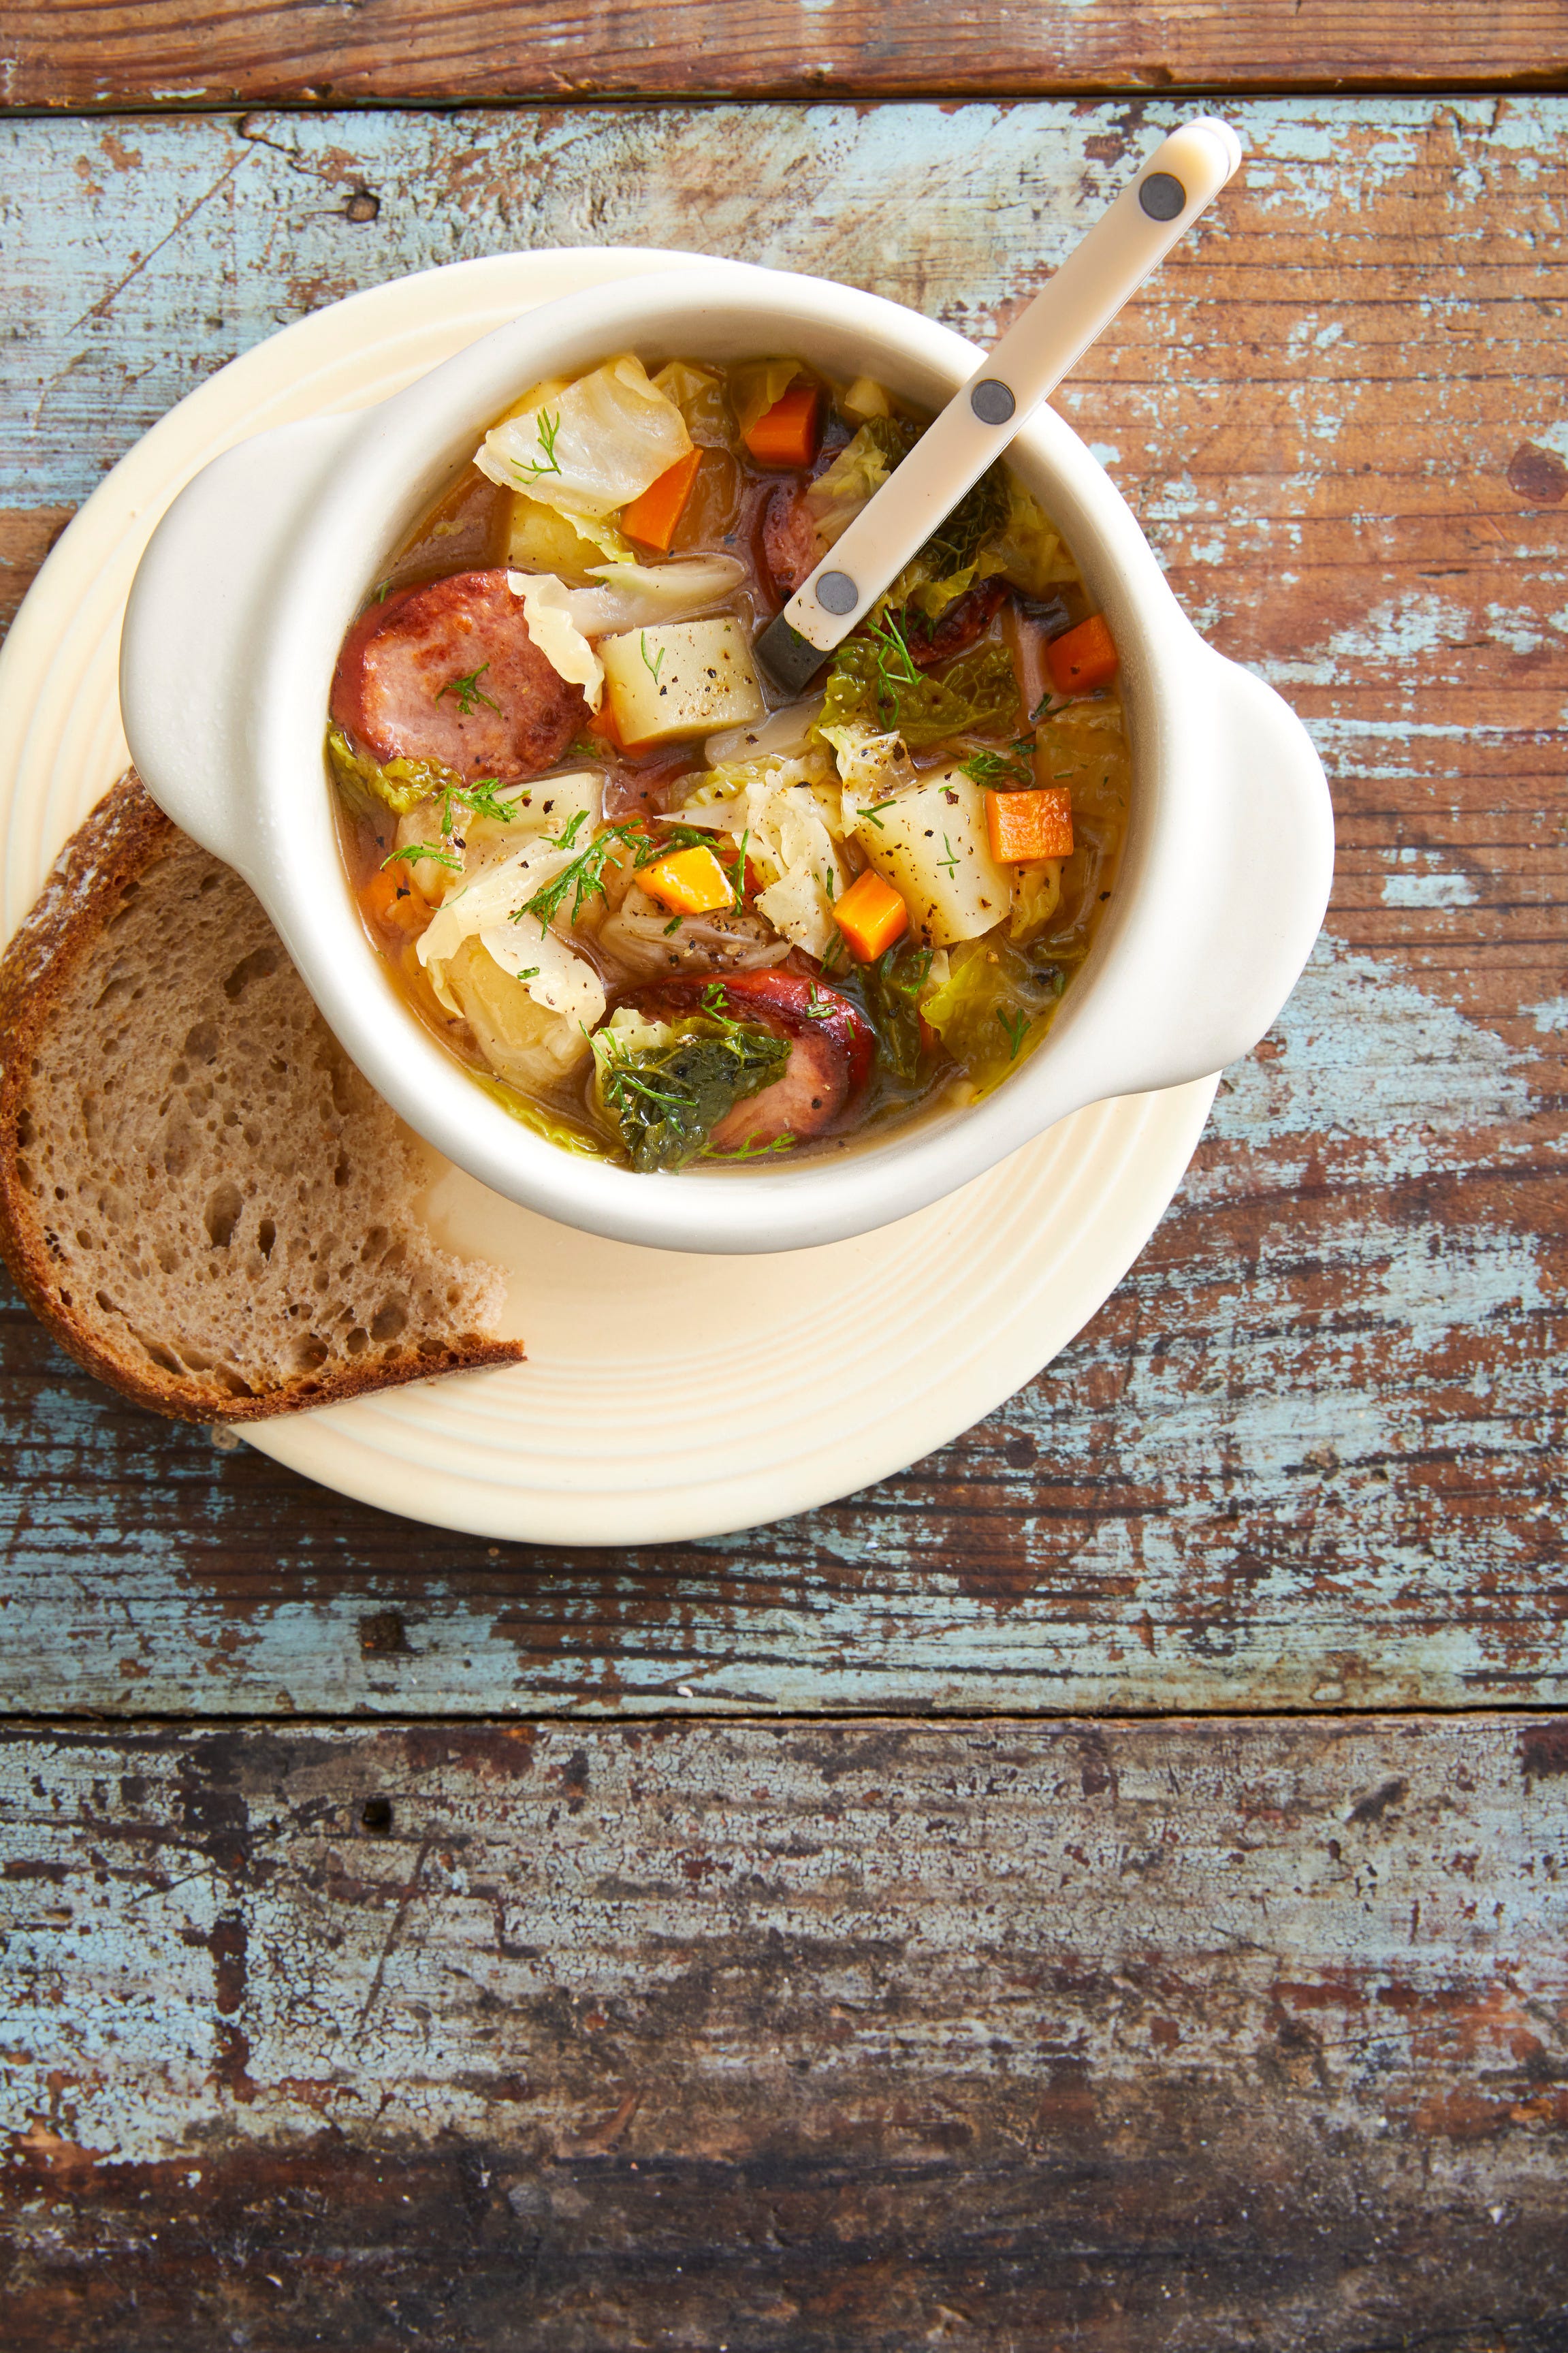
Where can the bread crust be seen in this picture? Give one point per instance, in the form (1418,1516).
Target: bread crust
(118,846)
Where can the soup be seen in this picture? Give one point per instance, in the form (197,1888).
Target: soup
(666,916)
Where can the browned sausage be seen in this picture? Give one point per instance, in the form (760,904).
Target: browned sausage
(831,1046)
(805,1103)
(965,621)
(789,543)
(449,672)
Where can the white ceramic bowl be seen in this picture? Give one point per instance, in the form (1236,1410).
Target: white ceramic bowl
(248,584)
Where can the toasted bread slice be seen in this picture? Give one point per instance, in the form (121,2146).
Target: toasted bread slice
(199,1195)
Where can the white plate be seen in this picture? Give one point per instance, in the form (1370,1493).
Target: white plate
(665,1397)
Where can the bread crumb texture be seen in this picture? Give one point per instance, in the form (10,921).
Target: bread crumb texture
(200,1196)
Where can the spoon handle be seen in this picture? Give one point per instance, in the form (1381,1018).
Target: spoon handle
(1179,179)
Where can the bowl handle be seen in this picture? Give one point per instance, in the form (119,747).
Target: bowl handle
(1247,891)
(195,618)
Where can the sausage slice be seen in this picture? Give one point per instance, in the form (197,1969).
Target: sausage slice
(831,1051)
(449,672)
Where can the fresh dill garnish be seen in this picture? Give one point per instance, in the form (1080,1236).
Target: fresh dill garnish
(896,667)
(417,849)
(737,872)
(531,974)
(1016,1026)
(673,925)
(875,811)
(468,692)
(383,589)
(675,837)
(546,428)
(990,767)
(1048,705)
(583,879)
(752,1150)
(665,1099)
(949,861)
(481,796)
(652,668)
(820,1008)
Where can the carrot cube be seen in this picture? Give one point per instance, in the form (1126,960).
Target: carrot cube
(871,915)
(392,899)
(785,435)
(653,517)
(1084,659)
(1027,826)
(689,882)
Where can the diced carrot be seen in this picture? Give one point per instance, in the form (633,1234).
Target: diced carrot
(652,518)
(1084,659)
(871,915)
(603,724)
(785,435)
(391,899)
(1027,826)
(687,883)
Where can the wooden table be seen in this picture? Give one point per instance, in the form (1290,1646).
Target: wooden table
(1104,1887)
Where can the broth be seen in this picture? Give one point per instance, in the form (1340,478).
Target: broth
(666,920)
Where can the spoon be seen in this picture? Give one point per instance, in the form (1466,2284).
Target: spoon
(1179,181)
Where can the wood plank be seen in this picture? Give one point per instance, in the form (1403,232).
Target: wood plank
(1111,2035)
(163,53)
(1311,1453)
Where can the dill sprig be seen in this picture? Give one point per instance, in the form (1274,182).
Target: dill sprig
(583,879)
(1017,1025)
(417,849)
(546,428)
(468,692)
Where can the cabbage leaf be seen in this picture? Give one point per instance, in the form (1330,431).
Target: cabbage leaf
(875,687)
(400,784)
(587,447)
(995,1007)
(756,384)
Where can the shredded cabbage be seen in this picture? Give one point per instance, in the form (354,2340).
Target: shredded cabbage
(858,471)
(755,387)
(399,786)
(995,1007)
(642,935)
(1028,551)
(519,1040)
(700,396)
(490,908)
(585,448)
(788,811)
(639,596)
(865,398)
(548,608)
(875,687)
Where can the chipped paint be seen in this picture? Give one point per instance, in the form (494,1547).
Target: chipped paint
(1236,1989)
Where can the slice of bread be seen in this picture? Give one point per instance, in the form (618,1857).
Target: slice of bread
(199,1195)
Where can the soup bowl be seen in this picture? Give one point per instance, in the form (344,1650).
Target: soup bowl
(249,582)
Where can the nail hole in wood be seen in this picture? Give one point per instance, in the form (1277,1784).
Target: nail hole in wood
(375,1816)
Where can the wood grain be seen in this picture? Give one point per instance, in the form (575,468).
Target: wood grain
(76,55)
(1115,2036)
(1311,1453)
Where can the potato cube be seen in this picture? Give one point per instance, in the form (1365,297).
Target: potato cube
(683,678)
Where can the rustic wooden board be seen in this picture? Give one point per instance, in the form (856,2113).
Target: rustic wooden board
(1129,2037)
(163,53)
(1311,1453)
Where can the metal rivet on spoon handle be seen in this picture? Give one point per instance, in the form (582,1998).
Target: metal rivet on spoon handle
(1183,176)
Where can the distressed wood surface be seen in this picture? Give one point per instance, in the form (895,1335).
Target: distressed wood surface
(1311,1454)
(77,54)
(1108,2035)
